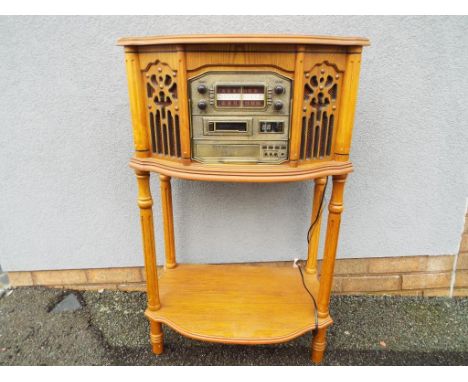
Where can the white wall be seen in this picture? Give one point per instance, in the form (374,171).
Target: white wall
(68,199)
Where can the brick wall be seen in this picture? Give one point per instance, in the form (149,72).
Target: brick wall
(4,282)
(403,276)
(407,276)
(461,276)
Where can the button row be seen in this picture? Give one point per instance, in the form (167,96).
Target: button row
(274,154)
(273,147)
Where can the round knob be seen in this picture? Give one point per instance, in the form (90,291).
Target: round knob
(278,105)
(202,104)
(202,89)
(279,89)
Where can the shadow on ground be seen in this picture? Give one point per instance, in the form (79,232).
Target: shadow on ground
(110,329)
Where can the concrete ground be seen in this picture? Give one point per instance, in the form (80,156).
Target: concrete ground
(110,329)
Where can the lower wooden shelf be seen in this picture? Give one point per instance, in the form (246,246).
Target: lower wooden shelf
(240,304)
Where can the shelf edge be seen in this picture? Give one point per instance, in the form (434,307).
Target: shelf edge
(323,323)
(242,174)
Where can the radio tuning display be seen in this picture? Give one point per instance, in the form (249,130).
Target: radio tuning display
(240,96)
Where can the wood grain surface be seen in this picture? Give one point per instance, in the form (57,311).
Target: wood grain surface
(243,38)
(241,304)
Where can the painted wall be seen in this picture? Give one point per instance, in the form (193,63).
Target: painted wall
(68,199)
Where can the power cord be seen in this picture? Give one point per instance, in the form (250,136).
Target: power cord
(319,212)
(308,291)
(296,261)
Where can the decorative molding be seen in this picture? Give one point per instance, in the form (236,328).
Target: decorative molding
(248,67)
(327,63)
(158,62)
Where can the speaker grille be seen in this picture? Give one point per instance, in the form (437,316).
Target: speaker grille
(321,91)
(161,89)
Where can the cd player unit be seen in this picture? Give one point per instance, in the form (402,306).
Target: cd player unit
(240,117)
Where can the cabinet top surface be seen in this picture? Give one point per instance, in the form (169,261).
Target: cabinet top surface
(243,38)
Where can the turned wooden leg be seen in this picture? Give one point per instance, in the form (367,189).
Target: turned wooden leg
(168,219)
(145,202)
(316,220)
(156,336)
(318,345)
(335,208)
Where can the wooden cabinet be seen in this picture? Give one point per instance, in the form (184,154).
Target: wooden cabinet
(311,109)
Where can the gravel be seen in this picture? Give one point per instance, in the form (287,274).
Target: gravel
(110,329)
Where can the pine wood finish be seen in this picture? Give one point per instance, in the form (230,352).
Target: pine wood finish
(331,242)
(279,173)
(240,38)
(145,202)
(242,304)
(316,223)
(166,202)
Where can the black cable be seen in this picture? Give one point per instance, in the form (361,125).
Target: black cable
(311,295)
(319,212)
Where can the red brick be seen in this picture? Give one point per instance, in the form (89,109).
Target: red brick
(426,280)
(371,283)
(440,263)
(397,264)
(351,266)
(461,279)
(60,277)
(18,279)
(113,275)
(462,261)
(464,243)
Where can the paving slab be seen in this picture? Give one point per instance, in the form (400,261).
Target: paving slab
(70,303)
(110,329)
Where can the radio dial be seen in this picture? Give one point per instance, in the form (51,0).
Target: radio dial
(279,89)
(202,104)
(202,89)
(278,105)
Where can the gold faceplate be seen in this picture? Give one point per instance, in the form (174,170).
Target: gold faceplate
(232,134)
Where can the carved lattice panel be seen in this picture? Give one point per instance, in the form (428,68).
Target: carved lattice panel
(163,105)
(319,116)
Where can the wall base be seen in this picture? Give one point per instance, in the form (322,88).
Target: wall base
(396,276)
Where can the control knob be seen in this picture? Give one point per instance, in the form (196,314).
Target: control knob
(202,89)
(202,104)
(278,105)
(279,89)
